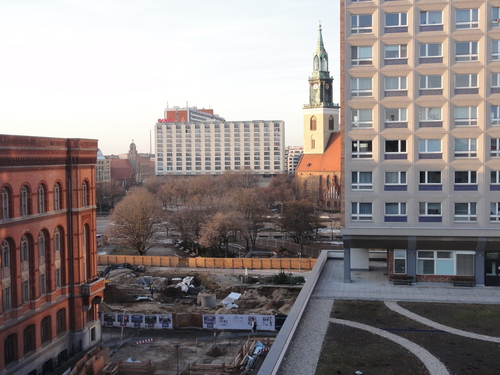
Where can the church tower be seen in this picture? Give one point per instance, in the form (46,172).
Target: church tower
(321,115)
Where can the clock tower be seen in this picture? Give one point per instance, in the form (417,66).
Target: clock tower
(321,115)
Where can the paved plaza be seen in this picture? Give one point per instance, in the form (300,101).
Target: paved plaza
(305,348)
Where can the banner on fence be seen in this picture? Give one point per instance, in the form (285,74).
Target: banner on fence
(237,322)
(136,320)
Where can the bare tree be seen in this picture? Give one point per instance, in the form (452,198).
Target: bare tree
(220,230)
(299,220)
(253,208)
(107,194)
(135,220)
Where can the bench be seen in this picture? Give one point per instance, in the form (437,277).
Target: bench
(464,283)
(406,280)
(402,282)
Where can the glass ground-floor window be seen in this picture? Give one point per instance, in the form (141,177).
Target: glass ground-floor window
(436,262)
(399,261)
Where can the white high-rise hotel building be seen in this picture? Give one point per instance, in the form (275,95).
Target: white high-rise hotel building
(213,146)
(421,129)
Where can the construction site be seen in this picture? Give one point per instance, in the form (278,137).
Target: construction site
(186,345)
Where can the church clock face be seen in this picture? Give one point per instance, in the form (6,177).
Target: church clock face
(315,86)
(327,86)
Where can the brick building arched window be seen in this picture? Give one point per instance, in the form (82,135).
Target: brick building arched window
(25,201)
(29,338)
(25,267)
(46,329)
(42,198)
(10,349)
(58,247)
(57,196)
(6,203)
(85,194)
(6,275)
(61,321)
(42,264)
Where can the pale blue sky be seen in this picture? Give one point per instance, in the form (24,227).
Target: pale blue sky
(105,69)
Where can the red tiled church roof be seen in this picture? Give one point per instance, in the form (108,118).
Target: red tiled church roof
(329,161)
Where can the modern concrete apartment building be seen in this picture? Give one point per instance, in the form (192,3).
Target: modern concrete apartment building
(420,106)
(211,147)
(292,157)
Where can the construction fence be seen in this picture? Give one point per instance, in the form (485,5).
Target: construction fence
(229,263)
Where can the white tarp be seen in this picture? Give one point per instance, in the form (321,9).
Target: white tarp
(229,300)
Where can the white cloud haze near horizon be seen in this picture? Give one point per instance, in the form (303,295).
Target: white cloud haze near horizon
(106,69)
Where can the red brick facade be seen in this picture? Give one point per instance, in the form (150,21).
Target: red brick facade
(48,262)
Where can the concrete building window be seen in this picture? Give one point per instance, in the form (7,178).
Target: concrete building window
(495,115)
(361,24)
(6,198)
(430,85)
(430,114)
(361,211)
(361,118)
(495,177)
(395,118)
(467,19)
(495,50)
(312,123)
(495,211)
(361,55)
(466,81)
(430,180)
(46,329)
(57,196)
(10,349)
(465,212)
(395,86)
(495,17)
(465,148)
(429,209)
(25,201)
(362,180)
(396,22)
(395,212)
(431,53)
(395,54)
(400,261)
(466,51)
(429,146)
(431,21)
(395,149)
(29,338)
(313,144)
(466,178)
(361,87)
(331,123)
(362,150)
(465,116)
(434,262)
(395,178)
(495,148)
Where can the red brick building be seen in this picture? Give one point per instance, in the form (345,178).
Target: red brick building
(50,289)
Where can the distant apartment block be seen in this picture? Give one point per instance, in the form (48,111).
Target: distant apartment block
(212,147)
(421,128)
(292,157)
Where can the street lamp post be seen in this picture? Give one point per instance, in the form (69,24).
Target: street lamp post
(177,346)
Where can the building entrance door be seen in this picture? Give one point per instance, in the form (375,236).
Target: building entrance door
(492,269)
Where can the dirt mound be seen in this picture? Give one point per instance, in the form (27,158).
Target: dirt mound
(216,351)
